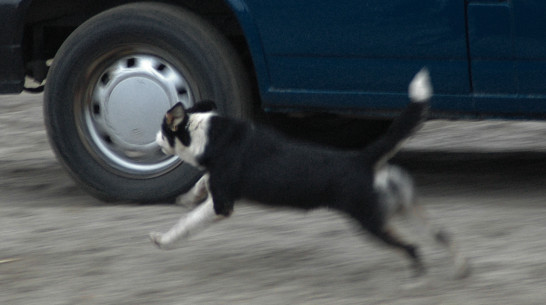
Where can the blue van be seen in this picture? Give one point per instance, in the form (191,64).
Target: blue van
(111,68)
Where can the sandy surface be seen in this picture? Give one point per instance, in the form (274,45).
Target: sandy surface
(484,181)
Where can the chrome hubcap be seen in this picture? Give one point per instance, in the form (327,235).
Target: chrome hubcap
(125,111)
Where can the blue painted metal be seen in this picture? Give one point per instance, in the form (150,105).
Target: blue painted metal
(254,42)
(487,57)
(530,46)
(491,46)
(508,55)
(354,55)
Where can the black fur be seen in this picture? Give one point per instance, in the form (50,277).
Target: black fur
(250,162)
(246,161)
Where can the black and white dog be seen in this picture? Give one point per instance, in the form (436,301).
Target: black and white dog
(247,162)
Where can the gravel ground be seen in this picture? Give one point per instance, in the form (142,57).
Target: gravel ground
(484,181)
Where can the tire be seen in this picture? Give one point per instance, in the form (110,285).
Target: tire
(112,81)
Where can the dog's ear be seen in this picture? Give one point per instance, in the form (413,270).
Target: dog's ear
(175,116)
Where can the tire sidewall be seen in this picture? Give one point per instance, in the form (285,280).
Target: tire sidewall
(175,35)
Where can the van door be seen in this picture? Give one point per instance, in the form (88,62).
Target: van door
(361,54)
(507,44)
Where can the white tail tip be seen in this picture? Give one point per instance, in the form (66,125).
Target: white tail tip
(420,89)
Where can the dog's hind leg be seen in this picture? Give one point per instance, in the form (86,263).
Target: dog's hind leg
(388,235)
(397,196)
(442,238)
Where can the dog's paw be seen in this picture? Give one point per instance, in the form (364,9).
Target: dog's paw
(159,240)
(155,238)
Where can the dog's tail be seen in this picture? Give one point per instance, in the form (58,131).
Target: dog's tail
(420,91)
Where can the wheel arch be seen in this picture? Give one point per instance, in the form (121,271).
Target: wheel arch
(47,24)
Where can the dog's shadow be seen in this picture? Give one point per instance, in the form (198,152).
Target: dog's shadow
(281,264)
(472,173)
(433,172)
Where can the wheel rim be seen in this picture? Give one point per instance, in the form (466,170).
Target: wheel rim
(121,113)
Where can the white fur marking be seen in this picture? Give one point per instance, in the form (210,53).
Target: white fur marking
(195,221)
(394,200)
(420,89)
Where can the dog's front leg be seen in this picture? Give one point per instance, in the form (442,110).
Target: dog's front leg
(196,195)
(197,220)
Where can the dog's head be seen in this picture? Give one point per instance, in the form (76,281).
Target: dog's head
(184,131)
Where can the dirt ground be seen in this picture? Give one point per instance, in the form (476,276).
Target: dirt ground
(484,181)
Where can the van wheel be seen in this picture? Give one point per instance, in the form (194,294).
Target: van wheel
(112,81)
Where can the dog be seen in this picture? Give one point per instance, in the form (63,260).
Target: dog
(243,161)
